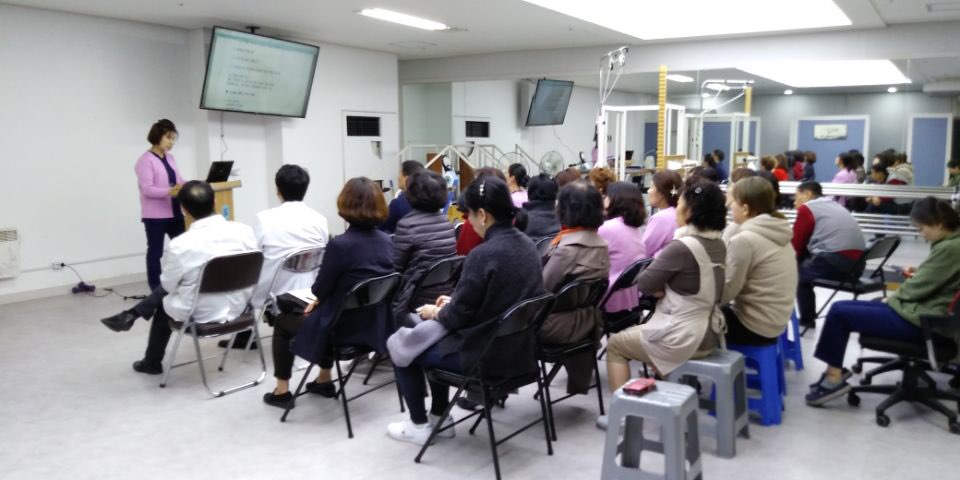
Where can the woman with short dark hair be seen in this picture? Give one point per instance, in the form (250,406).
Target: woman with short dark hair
(158,178)
(576,253)
(623,232)
(928,290)
(688,278)
(499,273)
(541,208)
(361,253)
(517,179)
(421,238)
(468,239)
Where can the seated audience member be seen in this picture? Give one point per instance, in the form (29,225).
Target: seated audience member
(847,174)
(780,170)
(576,253)
(741,173)
(809,173)
(541,208)
(761,268)
(715,161)
(601,177)
(901,173)
(282,230)
(795,158)
(859,161)
(469,239)
(571,174)
(499,273)
(422,238)
(767,168)
(828,242)
(360,253)
(663,195)
(400,206)
(517,179)
(209,236)
(928,290)
(623,232)
(953,168)
(877,205)
(687,277)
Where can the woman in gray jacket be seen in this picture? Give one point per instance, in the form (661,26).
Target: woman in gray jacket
(421,238)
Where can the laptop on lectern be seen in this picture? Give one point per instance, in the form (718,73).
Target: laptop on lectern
(219,171)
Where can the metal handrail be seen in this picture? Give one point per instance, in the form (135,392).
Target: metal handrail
(874,190)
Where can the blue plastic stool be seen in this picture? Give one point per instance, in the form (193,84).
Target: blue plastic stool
(768,379)
(791,348)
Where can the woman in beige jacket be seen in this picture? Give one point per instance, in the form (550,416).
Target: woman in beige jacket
(761,272)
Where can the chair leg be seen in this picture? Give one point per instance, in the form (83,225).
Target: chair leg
(891,366)
(493,439)
(545,392)
(173,356)
(223,360)
(935,404)
(343,394)
(476,424)
(596,371)
(203,368)
(373,367)
(827,303)
(438,426)
(894,398)
(296,392)
(547,421)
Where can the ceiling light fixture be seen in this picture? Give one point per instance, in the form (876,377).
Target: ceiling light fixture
(788,92)
(892,90)
(402,19)
(710,18)
(676,77)
(716,87)
(829,73)
(705,95)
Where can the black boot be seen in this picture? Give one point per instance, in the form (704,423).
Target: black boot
(121,322)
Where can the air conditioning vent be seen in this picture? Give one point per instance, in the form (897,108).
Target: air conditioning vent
(358,126)
(9,253)
(477,129)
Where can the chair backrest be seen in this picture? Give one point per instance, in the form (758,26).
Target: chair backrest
(457,227)
(543,245)
(510,349)
(627,278)
(228,273)
(445,271)
(580,294)
(880,249)
(371,292)
(524,316)
(304,260)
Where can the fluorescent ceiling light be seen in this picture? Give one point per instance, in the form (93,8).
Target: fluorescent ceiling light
(705,95)
(831,73)
(676,77)
(402,19)
(716,87)
(788,92)
(649,20)
(892,90)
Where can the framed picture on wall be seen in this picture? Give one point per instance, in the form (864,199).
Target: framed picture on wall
(837,131)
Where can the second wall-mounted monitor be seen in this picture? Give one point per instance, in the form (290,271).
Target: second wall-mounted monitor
(549,103)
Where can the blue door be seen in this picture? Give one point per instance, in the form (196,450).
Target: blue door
(929,147)
(828,149)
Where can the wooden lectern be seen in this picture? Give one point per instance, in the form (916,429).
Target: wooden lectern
(222,197)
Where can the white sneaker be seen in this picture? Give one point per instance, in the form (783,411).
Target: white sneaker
(407,431)
(448,433)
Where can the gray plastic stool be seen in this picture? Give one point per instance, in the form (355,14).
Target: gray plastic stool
(726,369)
(674,407)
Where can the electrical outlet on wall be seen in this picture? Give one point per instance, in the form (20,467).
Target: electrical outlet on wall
(56,265)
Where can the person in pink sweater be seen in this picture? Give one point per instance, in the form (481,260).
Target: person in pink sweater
(623,231)
(160,212)
(847,174)
(663,196)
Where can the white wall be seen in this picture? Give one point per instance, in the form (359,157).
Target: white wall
(426,111)
(79,94)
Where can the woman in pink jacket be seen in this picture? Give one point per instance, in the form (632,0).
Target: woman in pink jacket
(663,196)
(623,231)
(160,211)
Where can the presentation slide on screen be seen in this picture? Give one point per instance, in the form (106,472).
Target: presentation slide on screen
(249,73)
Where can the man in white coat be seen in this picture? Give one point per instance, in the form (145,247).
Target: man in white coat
(281,231)
(209,236)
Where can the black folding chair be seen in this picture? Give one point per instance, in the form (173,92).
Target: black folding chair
(366,294)
(881,249)
(221,275)
(576,295)
(441,272)
(614,322)
(457,228)
(518,326)
(543,245)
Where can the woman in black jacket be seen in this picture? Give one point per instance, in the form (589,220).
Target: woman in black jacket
(499,273)
(541,208)
(362,252)
(421,238)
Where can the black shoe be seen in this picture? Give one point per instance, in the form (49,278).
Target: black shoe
(468,405)
(844,375)
(121,322)
(149,368)
(239,342)
(325,389)
(284,401)
(821,394)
